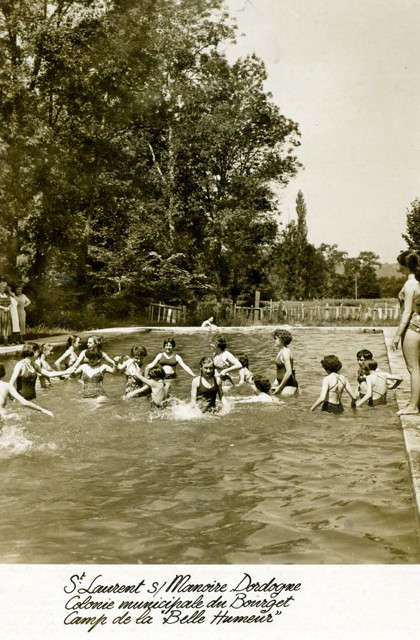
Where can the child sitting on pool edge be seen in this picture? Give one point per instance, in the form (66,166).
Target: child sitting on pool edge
(333,386)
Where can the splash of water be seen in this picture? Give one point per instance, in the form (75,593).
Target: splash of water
(13,441)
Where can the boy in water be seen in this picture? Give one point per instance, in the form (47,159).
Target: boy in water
(363,356)
(377,384)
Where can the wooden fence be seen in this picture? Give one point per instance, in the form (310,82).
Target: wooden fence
(270,312)
(167,314)
(273,312)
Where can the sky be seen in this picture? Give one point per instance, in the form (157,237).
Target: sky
(347,71)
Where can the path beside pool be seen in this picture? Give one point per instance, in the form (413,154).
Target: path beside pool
(410,424)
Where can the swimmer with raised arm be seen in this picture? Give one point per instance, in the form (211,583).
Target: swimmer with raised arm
(92,341)
(169,360)
(92,373)
(7,389)
(159,387)
(133,369)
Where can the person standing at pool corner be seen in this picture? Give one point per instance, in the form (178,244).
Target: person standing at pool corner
(23,302)
(285,382)
(408,331)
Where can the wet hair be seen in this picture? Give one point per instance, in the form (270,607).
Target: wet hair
(262,383)
(44,346)
(2,371)
(409,259)
(169,340)
(331,364)
(372,365)
(71,340)
(364,353)
(283,335)
(138,351)
(27,351)
(157,373)
(244,360)
(206,360)
(93,353)
(220,343)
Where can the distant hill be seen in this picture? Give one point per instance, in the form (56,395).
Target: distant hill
(388,270)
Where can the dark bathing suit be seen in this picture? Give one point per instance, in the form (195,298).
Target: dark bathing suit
(332,407)
(168,362)
(206,397)
(25,383)
(281,370)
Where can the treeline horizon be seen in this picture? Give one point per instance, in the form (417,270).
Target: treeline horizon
(139,165)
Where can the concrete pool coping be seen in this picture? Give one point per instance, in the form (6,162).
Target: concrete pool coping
(410,424)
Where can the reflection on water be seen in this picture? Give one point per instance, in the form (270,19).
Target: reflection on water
(118,483)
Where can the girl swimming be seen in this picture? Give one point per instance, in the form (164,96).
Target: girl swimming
(377,384)
(92,341)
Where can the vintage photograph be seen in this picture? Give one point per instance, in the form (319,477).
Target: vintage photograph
(209,282)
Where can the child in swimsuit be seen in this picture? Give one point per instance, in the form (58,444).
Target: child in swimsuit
(133,368)
(206,388)
(245,375)
(224,361)
(363,356)
(285,383)
(377,384)
(7,389)
(92,374)
(169,360)
(333,386)
(42,363)
(160,390)
(261,386)
(71,354)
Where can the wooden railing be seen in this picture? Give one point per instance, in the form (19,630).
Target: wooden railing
(285,311)
(167,314)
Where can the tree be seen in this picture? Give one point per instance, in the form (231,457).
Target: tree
(412,237)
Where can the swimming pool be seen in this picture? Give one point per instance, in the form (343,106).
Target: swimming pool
(262,484)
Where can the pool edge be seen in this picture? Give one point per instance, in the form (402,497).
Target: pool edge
(410,424)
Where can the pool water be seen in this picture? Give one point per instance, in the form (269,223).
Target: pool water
(118,483)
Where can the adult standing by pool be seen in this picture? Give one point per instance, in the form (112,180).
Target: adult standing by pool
(23,302)
(408,330)
(5,321)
